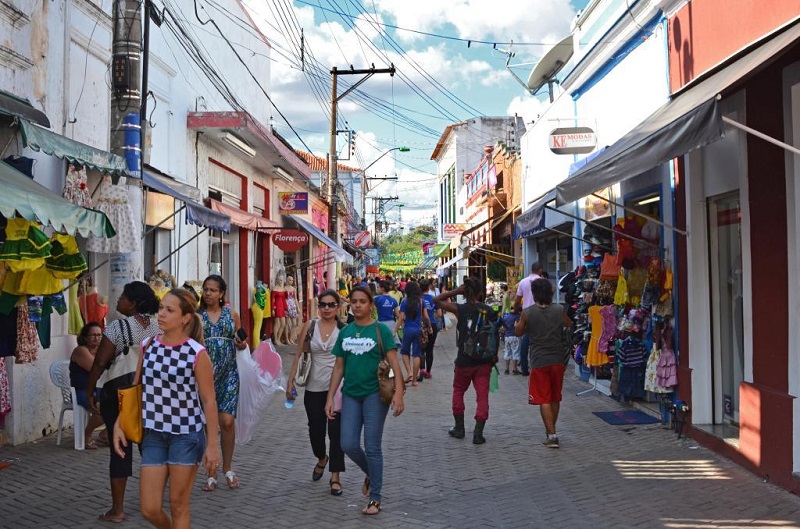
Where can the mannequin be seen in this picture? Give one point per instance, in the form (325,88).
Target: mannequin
(292,311)
(93,306)
(261,308)
(279,306)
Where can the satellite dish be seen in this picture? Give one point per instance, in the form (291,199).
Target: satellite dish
(549,66)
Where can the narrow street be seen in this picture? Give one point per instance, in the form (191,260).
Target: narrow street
(602,476)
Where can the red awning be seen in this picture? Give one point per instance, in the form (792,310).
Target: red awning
(243,219)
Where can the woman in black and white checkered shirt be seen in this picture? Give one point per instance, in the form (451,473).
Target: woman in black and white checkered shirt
(178,402)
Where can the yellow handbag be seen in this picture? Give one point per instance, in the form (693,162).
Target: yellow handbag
(130,412)
(130,404)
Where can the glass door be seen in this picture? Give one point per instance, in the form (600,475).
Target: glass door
(725,239)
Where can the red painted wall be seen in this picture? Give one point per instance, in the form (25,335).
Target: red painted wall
(705,32)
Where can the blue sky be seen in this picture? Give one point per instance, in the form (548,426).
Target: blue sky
(451,65)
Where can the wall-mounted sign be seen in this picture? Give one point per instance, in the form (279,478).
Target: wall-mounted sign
(362,239)
(451,230)
(572,140)
(427,246)
(597,208)
(290,240)
(373,258)
(160,208)
(293,203)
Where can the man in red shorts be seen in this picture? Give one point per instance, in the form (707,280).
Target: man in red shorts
(544,325)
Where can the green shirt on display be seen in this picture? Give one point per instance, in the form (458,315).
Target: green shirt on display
(359,347)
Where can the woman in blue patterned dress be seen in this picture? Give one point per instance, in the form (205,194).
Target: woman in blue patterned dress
(220,323)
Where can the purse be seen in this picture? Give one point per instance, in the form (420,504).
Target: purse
(304,368)
(385,382)
(424,331)
(130,405)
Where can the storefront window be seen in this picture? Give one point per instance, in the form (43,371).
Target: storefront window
(725,239)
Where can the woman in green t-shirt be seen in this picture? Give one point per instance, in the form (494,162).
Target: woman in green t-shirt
(358,350)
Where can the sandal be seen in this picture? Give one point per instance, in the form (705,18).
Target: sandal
(232,480)
(319,470)
(372,508)
(210,485)
(335,491)
(409,378)
(365,488)
(90,445)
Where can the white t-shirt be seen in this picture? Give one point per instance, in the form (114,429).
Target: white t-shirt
(524,290)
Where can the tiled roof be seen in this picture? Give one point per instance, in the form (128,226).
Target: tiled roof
(319,163)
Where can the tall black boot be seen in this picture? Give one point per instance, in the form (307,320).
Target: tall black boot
(458,431)
(477,435)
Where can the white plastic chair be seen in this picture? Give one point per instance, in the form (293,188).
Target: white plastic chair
(59,374)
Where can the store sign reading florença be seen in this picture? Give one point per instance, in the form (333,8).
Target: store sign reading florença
(572,140)
(290,240)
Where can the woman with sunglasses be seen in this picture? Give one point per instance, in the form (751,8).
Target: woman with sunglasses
(358,350)
(324,335)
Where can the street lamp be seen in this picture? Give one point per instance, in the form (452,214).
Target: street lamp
(364,183)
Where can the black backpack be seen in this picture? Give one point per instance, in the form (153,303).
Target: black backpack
(482,339)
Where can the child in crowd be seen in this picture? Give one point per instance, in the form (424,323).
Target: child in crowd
(512,342)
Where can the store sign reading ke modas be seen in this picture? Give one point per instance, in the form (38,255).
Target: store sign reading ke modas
(572,140)
(290,240)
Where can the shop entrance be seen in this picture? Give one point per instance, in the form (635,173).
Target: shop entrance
(727,322)
(223,258)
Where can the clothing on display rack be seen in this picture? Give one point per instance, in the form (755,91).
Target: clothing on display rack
(27,337)
(76,187)
(74,318)
(26,246)
(113,201)
(22,164)
(65,261)
(5,394)
(93,309)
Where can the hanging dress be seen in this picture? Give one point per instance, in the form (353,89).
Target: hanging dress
(219,344)
(113,201)
(279,304)
(76,188)
(27,337)
(609,318)
(593,355)
(92,310)
(26,246)
(74,319)
(5,394)
(65,261)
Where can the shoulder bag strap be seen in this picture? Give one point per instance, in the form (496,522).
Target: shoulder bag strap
(138,376)
(380,340)
(126,329)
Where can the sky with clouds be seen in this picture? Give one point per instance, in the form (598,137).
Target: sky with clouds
(450,65)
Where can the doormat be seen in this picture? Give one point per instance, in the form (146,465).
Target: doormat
(623,417)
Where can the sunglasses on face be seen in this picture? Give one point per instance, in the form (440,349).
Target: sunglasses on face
(327,304)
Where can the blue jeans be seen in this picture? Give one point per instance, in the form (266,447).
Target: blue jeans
(368,413)
(523,353)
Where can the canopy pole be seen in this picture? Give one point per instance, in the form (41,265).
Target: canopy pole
(754,132)
(648,217)
(621,234)
(173,252)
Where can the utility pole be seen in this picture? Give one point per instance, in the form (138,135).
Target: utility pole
(331,184)
(126,101)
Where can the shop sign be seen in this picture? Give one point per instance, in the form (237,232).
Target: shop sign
(373,257)
(293,203)
(572,140)
(362,239)
(290,240)
(598,208)
(451,230)
(427,246)
(160,211)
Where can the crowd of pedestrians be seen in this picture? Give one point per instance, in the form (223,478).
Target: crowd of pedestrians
(183,351)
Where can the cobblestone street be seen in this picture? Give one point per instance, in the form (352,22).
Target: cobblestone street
(603,475)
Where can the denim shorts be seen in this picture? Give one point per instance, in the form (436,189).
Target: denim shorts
(159,448)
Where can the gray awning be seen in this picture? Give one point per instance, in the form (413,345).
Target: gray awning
(339,253)
(690,120)
(532,221)
(19,107)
